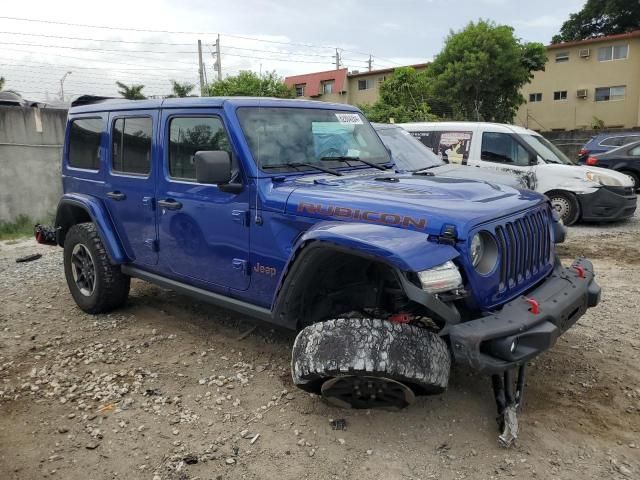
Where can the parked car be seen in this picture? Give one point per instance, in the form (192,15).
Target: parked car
(576,193)
(605,142)
(624,159)
(411,155)
(290,212)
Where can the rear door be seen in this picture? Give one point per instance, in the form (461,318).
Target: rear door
(130,182)
(203,231)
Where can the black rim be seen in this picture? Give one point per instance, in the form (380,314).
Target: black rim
(367,392)
(83,270)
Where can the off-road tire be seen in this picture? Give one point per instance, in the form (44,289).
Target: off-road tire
(369,347)
(111,285)
(634,177)
(571,212)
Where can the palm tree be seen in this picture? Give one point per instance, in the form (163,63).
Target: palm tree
(181,89)
(134,92)
(1,83)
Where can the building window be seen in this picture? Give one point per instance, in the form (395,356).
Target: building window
(327,87)
(560,95)
(365,84)
(618,52)
(382,79)
(131,145)
(84,143)
(535,97)
(562,57)
(300,90)
(606,94)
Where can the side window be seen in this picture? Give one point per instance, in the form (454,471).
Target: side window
(613,142)
(188,135)
(631,139)
(84,143)
(635,152)
(131,145)
(453,147)
(503,148)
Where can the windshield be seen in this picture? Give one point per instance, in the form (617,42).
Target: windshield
(547,150)
(284,139)
(408,153)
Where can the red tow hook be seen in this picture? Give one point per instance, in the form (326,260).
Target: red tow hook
(580,271)
(535,306)
(400,318)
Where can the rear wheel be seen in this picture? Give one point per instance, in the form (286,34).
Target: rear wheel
(566,205)
(96,285)
(369,363)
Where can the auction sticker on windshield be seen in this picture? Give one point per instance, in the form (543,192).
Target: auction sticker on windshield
(352,118)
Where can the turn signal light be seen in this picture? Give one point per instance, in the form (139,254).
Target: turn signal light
(592,161)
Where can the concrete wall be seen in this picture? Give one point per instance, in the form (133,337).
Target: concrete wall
(30,156)
(571,141)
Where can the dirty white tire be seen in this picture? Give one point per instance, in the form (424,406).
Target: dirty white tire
(370,348)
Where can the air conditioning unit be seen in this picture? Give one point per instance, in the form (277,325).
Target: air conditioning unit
(585,53)
(582,93)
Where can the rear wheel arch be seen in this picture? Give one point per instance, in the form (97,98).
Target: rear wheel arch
(68,215)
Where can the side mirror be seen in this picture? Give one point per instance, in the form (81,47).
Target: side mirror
(213,167)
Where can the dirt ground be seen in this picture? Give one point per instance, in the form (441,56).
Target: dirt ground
(168,388)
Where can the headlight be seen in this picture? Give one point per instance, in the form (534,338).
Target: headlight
(483,251)
(442,278)
(605,180)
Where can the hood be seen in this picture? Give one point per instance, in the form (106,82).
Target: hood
(603,176)
(425,203)
(480,174)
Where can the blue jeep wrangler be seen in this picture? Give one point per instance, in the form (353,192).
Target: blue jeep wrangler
(290,212)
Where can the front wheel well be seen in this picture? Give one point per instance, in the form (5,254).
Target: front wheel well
(67,216)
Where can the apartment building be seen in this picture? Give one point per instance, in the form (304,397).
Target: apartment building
(342,86)
(585,83)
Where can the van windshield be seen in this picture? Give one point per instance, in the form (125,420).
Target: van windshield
(547,150)
(408,153)
(304,139)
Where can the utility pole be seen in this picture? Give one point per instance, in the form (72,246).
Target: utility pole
(201,70)
(337,57)
(62,85)
(218,65)
(370,61)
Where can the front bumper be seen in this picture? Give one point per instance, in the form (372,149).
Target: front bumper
(485,344)
(608,204)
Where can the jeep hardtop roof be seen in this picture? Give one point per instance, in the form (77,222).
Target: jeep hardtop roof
(88,104)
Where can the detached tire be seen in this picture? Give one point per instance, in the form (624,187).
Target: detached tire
(96,285)
(368,363)
(566,205)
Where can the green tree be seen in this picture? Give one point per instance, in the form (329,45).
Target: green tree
(600,17)
(133,92)
(403,98)
(181,90)
(251,84)
(1,83)
(479,73)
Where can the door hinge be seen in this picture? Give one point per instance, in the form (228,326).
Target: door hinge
(151,244)
(241,217)
(240,265)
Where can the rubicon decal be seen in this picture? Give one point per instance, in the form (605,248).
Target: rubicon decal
(364,215)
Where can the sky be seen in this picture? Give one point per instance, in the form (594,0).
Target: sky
(151,43)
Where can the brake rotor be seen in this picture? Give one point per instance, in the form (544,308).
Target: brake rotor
(367,392)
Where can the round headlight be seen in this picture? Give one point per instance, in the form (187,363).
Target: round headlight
(484,252)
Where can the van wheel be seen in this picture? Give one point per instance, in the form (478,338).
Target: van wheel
(369,362)
(566,205)
(96,285)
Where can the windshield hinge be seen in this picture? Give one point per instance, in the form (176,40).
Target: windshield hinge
(449,235)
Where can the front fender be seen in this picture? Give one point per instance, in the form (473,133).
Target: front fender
(68,214)
(407,250)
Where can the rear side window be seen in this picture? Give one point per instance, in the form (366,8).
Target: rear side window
(503,148)
(131,145)
(450,146)
(635,152)
(84,143)
(188,135)
(613,142)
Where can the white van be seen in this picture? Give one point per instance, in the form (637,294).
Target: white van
(576,192)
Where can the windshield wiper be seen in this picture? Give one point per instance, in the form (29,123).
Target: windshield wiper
(303,164)
(423,171)
(345,159)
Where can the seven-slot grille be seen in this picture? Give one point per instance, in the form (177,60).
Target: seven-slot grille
(525,247)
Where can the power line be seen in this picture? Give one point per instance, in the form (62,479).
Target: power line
(76,67)
(97,39)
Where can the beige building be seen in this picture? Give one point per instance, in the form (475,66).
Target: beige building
(585,83)
(340,86)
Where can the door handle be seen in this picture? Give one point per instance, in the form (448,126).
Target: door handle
(170,204)
(117,196)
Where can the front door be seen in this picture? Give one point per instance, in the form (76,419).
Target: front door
(203,231)
(130,183)
(502,151)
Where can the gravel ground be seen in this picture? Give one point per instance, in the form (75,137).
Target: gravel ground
(167,388)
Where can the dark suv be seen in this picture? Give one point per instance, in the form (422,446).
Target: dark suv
(291,212)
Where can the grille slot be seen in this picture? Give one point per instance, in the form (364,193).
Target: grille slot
(525,248)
